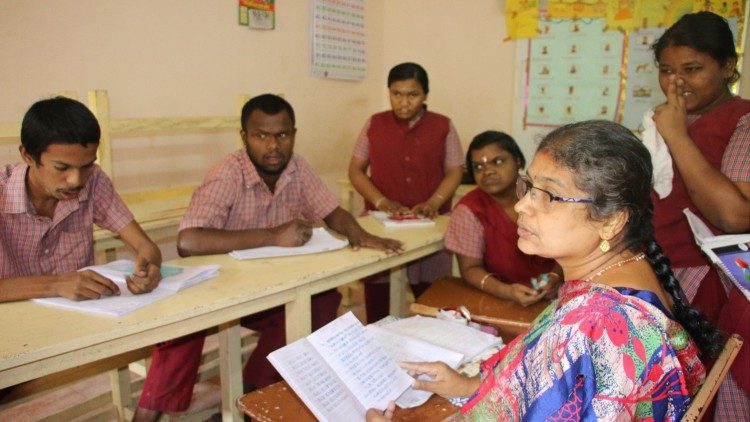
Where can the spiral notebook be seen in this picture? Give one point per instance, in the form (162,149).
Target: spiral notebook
(730,252)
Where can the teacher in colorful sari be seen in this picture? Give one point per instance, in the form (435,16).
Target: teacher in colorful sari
(620,342)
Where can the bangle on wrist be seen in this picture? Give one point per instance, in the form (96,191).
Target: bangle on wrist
(441,197)
(481,282)
(377,203)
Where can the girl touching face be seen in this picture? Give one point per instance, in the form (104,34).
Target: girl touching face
(701,79)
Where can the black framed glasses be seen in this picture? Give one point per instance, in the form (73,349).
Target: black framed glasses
(524,186)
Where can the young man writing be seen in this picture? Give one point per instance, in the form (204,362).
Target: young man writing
(264,195)
(49,203)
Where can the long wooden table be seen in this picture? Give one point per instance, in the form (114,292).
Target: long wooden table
(38,340)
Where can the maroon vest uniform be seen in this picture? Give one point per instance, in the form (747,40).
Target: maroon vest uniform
(501,254)
(711,134)
(407,164)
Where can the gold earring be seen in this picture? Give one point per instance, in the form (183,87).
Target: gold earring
(604,245)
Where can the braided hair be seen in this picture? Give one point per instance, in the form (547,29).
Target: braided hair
(614,168)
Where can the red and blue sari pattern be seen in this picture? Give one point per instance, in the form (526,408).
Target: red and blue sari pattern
(596,353)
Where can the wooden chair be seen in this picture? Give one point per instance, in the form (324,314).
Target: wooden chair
(714,379)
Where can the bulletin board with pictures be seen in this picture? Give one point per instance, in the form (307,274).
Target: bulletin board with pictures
(592,59)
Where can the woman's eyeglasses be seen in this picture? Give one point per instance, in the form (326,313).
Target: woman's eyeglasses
(524,186)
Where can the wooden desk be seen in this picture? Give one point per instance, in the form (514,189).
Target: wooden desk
(453,292)
(278,402)
(38,340)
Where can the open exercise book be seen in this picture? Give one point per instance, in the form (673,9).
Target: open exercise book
(395,221)
(731,252)
(174,279)
(320,241)
(344,368)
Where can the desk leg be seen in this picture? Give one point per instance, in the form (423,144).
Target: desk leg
(230,369)
(398,291)
(298,316)
(122,395)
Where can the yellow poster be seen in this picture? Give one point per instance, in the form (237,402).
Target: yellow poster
(623,14)
(576,9)
(726,8)
(522,18)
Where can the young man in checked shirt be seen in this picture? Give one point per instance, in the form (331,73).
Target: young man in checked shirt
(49,203)
(262,195)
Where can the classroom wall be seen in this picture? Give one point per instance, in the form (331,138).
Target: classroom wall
(461,46)
(176,58)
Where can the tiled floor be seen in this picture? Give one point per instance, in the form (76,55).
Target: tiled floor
(95,390)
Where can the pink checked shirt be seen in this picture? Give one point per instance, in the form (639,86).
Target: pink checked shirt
(234,197)
(35,245)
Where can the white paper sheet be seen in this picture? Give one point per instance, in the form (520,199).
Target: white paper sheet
(320,241)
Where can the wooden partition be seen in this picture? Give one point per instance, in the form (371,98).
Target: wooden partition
(160,210)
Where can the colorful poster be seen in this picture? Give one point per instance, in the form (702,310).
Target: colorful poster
(726,8)
(522,18)
(642,90)
(261,14)
(574,73)
(338,39)
(576,9)
(622,15)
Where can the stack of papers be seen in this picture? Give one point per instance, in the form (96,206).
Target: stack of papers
(321,241)
(174,279)
(390,222)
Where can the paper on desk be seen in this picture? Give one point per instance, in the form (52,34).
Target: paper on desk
(175,278)
(383,218)
(321,241)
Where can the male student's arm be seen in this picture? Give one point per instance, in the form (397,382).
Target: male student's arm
(75,285)
(343,222)
(146,274)
(206,241)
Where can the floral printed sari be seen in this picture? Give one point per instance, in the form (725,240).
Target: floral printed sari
(596,353)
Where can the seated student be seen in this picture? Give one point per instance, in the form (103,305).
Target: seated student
(482,230)
(620,342)
(263,195)
(48,206)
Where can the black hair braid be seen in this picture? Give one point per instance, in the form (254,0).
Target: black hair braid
(703,332)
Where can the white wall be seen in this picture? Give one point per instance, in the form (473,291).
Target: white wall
(178,58)
(461,46)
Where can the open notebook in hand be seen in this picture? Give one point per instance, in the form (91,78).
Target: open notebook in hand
(326,377)
(320,241)
(730,252)
(401,220)
(174,278)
